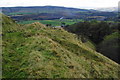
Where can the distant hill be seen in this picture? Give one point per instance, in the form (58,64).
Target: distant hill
(36,51)
(55,12)
(109,9)
(41,9)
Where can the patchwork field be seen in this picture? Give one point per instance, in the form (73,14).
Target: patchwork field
(56,22)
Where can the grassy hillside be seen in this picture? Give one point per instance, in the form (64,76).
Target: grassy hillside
(37,51)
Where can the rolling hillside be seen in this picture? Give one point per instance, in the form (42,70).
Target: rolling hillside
(56,12)
(37,51)
(41,9)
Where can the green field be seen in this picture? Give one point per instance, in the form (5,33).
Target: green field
(19,13)
(55,22)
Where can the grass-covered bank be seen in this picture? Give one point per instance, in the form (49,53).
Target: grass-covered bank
(37,51)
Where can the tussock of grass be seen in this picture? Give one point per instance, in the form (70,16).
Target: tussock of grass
(37,51)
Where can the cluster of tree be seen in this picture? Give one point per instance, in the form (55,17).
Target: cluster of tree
(94,30)
(97,33)
(110,46)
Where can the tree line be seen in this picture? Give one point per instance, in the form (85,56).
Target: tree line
(105,35)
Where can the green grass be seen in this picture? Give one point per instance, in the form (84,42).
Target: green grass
(56,22)
(112,36)
(37,51)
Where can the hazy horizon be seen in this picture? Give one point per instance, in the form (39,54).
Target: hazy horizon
(86,4)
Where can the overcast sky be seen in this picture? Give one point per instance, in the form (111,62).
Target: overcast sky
(65,3)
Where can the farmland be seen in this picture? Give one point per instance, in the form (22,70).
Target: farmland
(56,22)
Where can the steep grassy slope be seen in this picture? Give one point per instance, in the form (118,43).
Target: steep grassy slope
(37,51)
